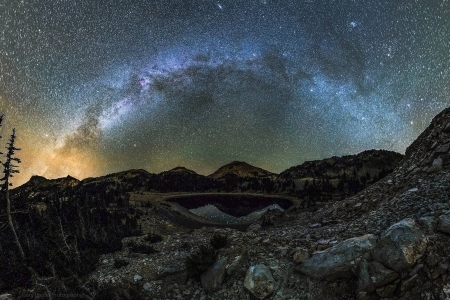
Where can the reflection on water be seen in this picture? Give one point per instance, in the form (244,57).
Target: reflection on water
(214,214)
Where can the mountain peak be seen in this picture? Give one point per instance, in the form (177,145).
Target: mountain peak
(240,169)
(179,170)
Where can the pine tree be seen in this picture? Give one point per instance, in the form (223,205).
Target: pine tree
(9,168)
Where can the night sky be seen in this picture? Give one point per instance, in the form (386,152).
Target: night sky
(95,87)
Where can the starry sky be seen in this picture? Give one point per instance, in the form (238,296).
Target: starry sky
(94,87)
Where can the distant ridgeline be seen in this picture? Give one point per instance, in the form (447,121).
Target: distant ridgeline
(334,178)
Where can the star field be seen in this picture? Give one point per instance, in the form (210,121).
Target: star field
(95,87)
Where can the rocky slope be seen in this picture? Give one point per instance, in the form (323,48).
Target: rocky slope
(390,241)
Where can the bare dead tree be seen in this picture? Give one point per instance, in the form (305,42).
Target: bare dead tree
(9,168)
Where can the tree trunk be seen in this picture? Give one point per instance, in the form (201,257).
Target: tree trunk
(10,220)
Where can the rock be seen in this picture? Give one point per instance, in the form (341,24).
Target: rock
(400,246)
(6,297)
(338,260)
(438,162)
(259,281)
(443,149)
(444,223)
(416,270)
(361,296)
(429,222)
(372,275)
(440,270)
(365,283)
(137,277)
(236,263)
(381,275)
(386,291)
(213,277)
(301,255)
(434,169)
(447,128)
(409,283)
(147,287)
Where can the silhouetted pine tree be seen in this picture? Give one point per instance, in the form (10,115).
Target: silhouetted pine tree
(9,168)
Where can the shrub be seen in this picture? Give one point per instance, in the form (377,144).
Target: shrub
(219,241)
(119,263)
(199,260)
(142,248)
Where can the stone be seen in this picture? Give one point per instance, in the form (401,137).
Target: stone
(361,296)
(416,270)
(259,281)
(337,261)
(236,263)
(365,283)
(447,128)
(409,283)
(380,275)
(443,149)
(444,223)
(213,277)
(137,277)
(429,222)
(400,246)
(440,270)
(6,297)
(147,287)
(434,169)
(386,291)
(301,255)
(438,162)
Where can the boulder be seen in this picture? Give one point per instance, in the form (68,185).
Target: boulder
(338,260)
(259,281)
(400,246)
(213,277)
(444,223)
(6,297)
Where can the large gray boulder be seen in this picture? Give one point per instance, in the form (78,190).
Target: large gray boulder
(338,260)
(213,277)
(400,246)
(259,281)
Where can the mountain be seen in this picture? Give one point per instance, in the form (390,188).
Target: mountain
(181,179)
(370,162)
(179,170)
(240,169)
(336,177)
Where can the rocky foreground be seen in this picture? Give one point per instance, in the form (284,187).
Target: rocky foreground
(390,241)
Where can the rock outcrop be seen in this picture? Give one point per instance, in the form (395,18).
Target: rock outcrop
(338,260)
